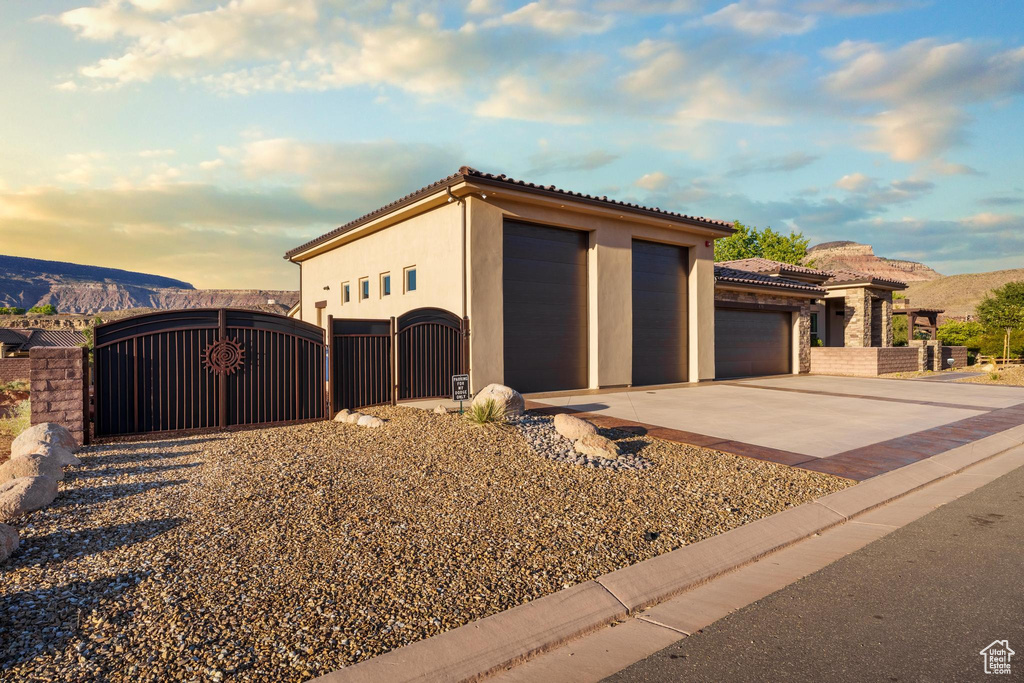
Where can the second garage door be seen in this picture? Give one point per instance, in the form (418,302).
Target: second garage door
(750,343)
(659,313)
(544,278)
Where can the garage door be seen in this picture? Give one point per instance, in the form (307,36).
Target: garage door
(659,313)
(749,343)
(545,307)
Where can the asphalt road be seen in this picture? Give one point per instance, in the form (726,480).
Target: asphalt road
(916,605)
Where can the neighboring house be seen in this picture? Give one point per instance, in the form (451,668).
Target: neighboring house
(16,343)
(561,290)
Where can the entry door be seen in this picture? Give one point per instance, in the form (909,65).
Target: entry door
(750,343)
(659,313)
(544,280)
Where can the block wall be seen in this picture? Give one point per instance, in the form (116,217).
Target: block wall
(14,369)
(60,388)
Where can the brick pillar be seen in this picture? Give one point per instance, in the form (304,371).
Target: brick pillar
(60,388)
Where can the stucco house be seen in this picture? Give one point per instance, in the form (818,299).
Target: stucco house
(554,290)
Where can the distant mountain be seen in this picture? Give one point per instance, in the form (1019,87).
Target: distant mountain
(76,288)
(861,258)
(959,295)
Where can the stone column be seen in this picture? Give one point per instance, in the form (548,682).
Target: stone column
(887,319)
(857,321)
(60,388)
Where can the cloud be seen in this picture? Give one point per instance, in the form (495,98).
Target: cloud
(858,8)
(1001,200)
(654,181)
(760,18)
(855,182)
(547,17)
(548,161)
(779,164)
(518,96)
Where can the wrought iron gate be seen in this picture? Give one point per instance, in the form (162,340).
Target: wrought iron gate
(206,368)
(361,363)
(430,350)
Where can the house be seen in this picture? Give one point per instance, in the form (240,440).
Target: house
(553,290)
(16,342)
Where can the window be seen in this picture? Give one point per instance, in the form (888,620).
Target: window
(385,284)
(364,288)
(410,279)
(346,294)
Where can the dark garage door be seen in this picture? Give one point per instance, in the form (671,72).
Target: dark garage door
(659,313)
(545,300)
(749,343)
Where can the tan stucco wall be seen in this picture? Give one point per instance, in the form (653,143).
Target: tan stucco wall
(430,241)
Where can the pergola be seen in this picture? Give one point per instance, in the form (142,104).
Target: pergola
(915,316)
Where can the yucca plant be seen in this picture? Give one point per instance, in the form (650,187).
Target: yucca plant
(18,421)
(487,413)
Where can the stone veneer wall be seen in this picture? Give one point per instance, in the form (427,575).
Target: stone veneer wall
(60,388)
(864,361)
(931,353)
(804,323)
(957,353)
(857,325)
(13,369)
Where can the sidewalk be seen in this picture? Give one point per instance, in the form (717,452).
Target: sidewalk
(919,604)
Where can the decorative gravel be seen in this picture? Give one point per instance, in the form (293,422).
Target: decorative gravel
(281,554)
(539,432)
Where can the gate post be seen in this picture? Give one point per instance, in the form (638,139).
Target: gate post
(393,359)
(222,378)
(328,361)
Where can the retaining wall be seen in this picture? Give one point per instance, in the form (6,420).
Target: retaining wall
(14,369)
(60,388)
(863,361)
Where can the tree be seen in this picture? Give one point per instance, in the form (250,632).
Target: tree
(749,242)
(1003,309)
(12,310)
(956,333)
(46,309)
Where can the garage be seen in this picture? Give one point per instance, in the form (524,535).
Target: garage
(752,342)
(659,313)
(544,281)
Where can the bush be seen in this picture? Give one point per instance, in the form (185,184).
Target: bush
(899,330)
(991,343)
(956,333)
(11,310)
(15,385)
(19,421)
(48,309)
(489,412)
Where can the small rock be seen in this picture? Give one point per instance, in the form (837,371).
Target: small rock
(370,421)
(573,427)
(31,465)
(353,417)
(506,397)
(597,446)
(342,415)
(441,410)
(25,494)
(8,541)
(43,433)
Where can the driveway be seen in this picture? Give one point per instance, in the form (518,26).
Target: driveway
(860,426)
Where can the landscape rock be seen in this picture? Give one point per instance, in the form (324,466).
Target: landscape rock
(63,456)
(597,446)
(506,397)
(8,541)
(31,465)
(49,433)
(370,421)
(573,427)
(25,494)
(353,417)
(441,410)
(342,415)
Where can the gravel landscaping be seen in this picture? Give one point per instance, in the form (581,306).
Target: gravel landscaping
(1011,376)
(285,553)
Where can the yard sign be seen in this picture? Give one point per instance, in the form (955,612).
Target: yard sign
(460,389)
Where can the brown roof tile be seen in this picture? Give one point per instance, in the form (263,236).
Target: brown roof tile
(467,173)
(844,276)
(726,273)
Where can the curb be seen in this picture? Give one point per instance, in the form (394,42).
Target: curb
(473,651)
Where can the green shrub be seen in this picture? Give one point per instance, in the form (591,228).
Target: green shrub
(994,376)
(487,413)
(11,310)
(19,421)
(15,385)
(956,333)
(47,309)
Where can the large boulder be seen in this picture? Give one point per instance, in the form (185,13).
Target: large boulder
(8,541)
(342,415)
(45,433)
(573,427)
(507,398)
(25,494)
(598,447)
(52,450)
(370,421)
(31,465)
(353,417)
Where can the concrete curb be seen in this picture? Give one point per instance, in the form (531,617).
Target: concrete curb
(478,649)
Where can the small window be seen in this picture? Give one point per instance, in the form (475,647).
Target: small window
(364,288)
(385,284)
(346,294)
(410,279)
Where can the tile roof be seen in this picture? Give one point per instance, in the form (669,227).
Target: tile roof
(467,173)
(28,338)
(763,265)
(850,276)
(724,273)
(11,337)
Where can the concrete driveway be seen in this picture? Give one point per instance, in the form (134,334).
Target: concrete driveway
(812,417)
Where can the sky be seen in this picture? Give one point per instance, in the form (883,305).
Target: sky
(201,140)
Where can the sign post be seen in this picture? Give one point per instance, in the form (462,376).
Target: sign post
(460,389)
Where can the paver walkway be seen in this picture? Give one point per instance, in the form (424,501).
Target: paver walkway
(850,427)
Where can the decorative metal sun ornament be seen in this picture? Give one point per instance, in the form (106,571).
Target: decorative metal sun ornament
(224,356)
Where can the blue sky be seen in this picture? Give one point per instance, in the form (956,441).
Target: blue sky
(200,140)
